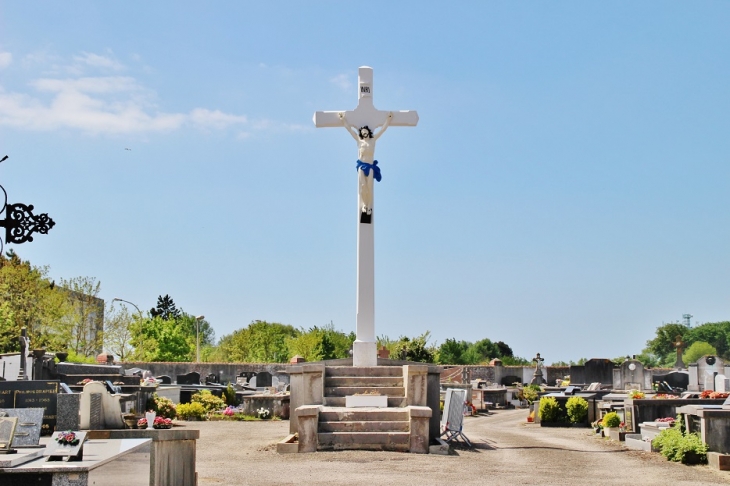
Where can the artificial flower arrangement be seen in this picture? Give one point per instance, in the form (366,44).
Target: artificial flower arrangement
(263,413)
(636,394)
(85,381)
(159,423)
(713,394)
(230,411)
(67,438)
(664,396)
(666,420)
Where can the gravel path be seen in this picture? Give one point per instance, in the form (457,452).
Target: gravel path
(507,451)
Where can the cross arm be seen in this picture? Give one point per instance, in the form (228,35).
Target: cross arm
(359,118)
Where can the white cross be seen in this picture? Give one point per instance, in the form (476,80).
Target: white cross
(365,114)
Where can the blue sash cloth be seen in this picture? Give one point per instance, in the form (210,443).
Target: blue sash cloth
(365,167)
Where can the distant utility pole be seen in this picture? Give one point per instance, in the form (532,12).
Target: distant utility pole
(686,318)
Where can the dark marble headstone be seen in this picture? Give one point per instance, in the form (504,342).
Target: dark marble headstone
(165,380)
(578,374)
(32,394)
(67,417)
(263,379)
(211,379)
(675,379)
(598,370)
(192,378)
(510,380)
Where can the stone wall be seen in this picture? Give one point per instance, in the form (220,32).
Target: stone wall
(227,371)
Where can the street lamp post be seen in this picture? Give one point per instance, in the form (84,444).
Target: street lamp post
(141,342)
(197,338)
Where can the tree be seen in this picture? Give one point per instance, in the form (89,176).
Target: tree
(29,299)
(118,335)
(84,323)
(260,342)
(697,350)
(415,349)
(165,309)
(666,335)
(158,339)
(451,351)
(320,343)
(716,334)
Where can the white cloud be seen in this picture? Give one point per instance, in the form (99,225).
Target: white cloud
(106,105)
(5,59)
(215,119)
(342,81)
(98,61)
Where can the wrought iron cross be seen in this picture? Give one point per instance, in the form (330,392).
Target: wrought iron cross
(19,221)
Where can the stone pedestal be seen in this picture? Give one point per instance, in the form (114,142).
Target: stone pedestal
(419,418)
(308,416)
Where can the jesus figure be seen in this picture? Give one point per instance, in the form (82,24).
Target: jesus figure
(367,166)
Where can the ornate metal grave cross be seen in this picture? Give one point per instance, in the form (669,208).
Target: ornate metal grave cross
(19,221)
(361,123)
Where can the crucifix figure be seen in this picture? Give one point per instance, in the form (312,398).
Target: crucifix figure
(361,123)
(537,376)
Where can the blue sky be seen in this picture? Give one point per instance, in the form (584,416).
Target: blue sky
(565,191)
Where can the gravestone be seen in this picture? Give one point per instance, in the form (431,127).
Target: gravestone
(722,384)
(7,433)
(247,375)
(165,380)
(192,378)
(707,368)
(578,374)
(67,417)
(598,370)
(629,376)
(510,380)
(212,379)
(263,379)
(32,394)
(675,379)
(30,422)
(57,452)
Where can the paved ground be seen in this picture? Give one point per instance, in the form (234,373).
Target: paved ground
(507,452)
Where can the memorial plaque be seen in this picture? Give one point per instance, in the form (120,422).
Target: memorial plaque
(32,394)
(57,452)
(7,432)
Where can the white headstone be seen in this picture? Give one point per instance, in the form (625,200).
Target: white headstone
(722,384)
(709,380)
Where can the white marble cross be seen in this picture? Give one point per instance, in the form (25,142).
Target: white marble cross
(365,115)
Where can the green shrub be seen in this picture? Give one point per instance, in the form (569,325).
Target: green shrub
(530,393)
(679,447)
(577,409)
(210,402)
(549,410)
(229,394)
(194,410)
(611,419)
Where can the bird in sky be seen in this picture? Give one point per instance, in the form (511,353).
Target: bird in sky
(125,148)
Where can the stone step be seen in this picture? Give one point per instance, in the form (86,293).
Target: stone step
(343,391)
(365,426)
(340,401)
(333,414)
(331,381)
(388,441)
(363,371)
